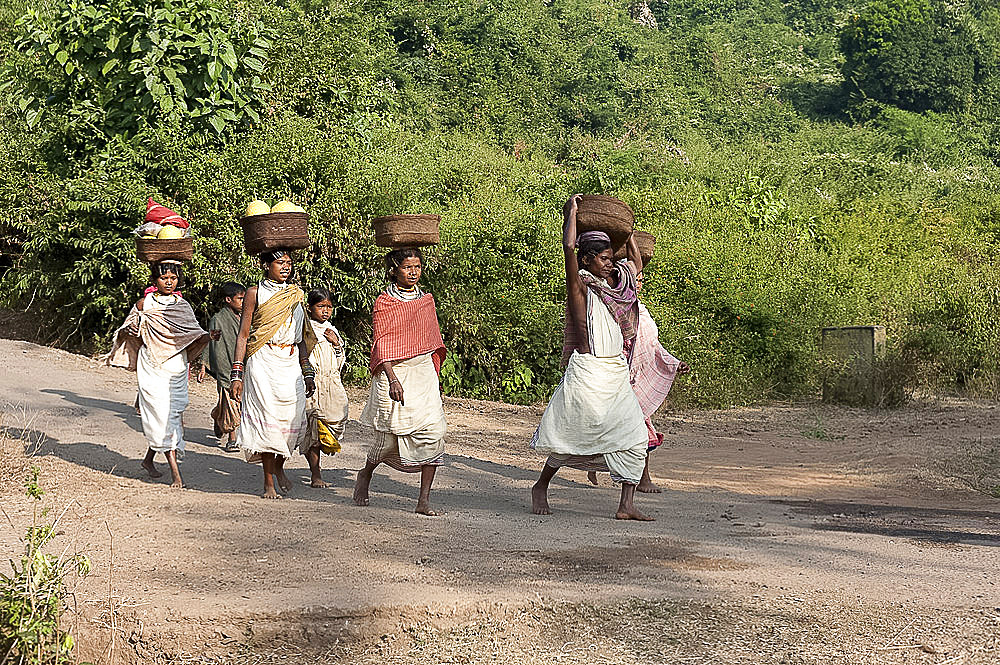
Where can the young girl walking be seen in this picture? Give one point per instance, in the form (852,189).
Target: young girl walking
(327,409)
(158,337)
(272,376)
(404,406)
(593,421)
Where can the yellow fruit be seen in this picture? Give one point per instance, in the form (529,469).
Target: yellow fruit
(148,237)
(169,233)
(257,208)
(286,206)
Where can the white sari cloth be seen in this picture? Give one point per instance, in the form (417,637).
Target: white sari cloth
(593,421)
(163,389)
(329,402)
(411,434)
(273,418)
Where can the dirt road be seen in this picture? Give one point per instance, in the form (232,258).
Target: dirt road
(799,533)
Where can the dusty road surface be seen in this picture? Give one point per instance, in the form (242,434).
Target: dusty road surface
(784,534)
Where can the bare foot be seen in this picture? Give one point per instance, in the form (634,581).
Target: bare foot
(424,509)
(633,514)
(269,493)
(647,487)
(592,477)
(177,484)
(318,482)
(284,484)
(539,501)
(361,490)
(151,469)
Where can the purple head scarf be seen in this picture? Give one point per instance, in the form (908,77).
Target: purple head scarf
(592,235)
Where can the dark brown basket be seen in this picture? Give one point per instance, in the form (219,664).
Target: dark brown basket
(154,250)
(407,230)
(645,241)
(605,213)
(275,230)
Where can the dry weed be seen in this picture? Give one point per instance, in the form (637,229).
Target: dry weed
(16,446)
(976,464)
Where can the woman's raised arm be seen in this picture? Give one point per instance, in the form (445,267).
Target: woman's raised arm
(576,294)
(632,249)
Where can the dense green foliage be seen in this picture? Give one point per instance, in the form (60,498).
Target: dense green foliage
(109,67)
(919,55)
(779,205)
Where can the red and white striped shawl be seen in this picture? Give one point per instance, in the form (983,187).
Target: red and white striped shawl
(404,330)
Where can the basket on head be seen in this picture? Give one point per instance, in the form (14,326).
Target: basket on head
(645,241)
(275,230)
(407,230)
(154,250)
(605,213)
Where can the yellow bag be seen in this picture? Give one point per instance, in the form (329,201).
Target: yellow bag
(327,441)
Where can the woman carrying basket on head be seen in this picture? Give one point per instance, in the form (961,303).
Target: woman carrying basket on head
(271,375)
(404,406)
(156,341)
(593,421)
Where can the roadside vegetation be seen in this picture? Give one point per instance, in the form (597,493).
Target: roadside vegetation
(803,164)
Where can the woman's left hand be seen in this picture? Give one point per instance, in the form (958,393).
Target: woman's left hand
(310,386)
(331,337)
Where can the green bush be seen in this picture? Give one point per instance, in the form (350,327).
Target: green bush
(108,67)
(772,220)
(33,596)
(919,55)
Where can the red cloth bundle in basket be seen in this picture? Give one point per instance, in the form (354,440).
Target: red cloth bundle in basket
(163,215)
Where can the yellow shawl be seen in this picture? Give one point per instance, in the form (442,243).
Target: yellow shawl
(270,316)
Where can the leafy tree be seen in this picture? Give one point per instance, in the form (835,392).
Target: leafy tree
(918,55)
(111,66)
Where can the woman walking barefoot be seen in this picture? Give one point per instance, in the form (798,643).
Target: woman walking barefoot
(404,406)
(159,336)
(271,375)
(593,421)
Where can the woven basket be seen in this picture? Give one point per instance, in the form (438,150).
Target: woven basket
(645,241)
(407,230)
(154,250)
(604,213)
(275,230)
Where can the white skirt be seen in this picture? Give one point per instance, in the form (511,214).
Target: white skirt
(594,412)
(273,417)
(418,424)
(163,396)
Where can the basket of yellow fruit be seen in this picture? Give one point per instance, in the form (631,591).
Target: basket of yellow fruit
(265,229)
(164,236)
